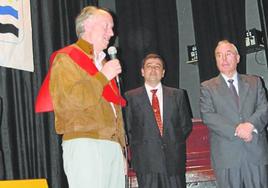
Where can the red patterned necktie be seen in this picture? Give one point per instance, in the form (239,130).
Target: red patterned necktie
(156,109)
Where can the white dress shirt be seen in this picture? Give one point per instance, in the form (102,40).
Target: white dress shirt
(235,83)
(98,58)
(159,95)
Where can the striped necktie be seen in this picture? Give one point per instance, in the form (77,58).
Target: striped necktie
(234,92)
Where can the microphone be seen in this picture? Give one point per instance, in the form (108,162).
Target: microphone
(112,53)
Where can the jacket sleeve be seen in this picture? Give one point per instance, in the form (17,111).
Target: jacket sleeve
(260,118)
(128,118)
(185,114)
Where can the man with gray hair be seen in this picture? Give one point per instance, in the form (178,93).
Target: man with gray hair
(234,107)
(87,105)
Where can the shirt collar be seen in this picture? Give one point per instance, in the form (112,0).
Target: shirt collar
(99,57)
(149,88)
(234,77)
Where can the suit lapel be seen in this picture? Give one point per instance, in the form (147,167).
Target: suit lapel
(146,105)
(243,87)
(166,104)
(145,101)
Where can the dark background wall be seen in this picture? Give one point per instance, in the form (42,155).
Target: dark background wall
(30,145)
(256,62)
(189,73)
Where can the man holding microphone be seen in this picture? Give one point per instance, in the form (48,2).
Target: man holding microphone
(87,105)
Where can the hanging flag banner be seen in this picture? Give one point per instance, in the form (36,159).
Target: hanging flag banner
(16,49)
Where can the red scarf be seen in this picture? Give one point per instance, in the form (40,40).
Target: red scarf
(110,91)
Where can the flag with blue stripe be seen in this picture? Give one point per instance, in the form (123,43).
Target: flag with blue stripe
(16,35)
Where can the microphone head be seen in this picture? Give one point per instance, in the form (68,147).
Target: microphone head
(112,50)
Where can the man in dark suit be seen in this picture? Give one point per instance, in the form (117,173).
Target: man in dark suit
(157,135)
(235,109)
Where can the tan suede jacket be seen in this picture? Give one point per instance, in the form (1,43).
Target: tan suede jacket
(80,110)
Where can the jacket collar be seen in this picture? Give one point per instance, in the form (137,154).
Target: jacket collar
(85,46)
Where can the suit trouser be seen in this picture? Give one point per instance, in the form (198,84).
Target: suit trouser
(247,175)
(93,163)
(161,180)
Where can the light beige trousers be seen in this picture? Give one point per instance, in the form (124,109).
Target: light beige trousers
(93,163)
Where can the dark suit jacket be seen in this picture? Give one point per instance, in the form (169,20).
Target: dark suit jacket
(220,114)
(151,152)
(1,110)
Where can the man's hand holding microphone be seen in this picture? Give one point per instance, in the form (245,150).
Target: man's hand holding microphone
(112,68)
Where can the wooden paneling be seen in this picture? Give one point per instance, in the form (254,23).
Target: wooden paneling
(198,166)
